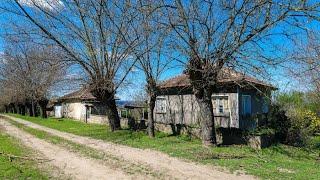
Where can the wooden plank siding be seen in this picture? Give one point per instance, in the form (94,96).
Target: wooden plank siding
(184,109)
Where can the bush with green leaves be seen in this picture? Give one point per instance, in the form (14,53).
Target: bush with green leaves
(279,122)
(294,118)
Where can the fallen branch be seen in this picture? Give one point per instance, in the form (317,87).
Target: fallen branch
(12,157)
(221,156)
(227,156)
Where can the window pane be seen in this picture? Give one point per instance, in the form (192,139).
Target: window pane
(220,109)
(220,104)
(225,104)
(161,105)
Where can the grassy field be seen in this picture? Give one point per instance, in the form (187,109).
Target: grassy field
(276,162)
(17,168)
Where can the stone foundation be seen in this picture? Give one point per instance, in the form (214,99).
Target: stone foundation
(259,142)
(100,119)
(178,129)
(224,136)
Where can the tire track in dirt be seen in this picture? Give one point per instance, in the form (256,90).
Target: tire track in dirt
(172,167)
(71,164)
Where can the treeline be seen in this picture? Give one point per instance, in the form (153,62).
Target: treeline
(29,73)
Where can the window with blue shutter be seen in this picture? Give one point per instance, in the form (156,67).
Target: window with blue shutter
(246,104)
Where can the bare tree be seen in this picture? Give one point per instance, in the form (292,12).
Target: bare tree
(28,73)
(305,63)
(213,34)
(151,53)
(95,34)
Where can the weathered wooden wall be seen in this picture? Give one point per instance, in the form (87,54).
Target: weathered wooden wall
(184,109)
(257,104)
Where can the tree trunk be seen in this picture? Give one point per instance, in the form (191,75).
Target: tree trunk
(23,110)
(152,92)
(113,116)
(36,112)
(19,109)
(151,104)
(34,108)
(203,79)
(107,98)
(208,134)
(44,112)
(43,106)
(30,109)
(13,108)
(6,108)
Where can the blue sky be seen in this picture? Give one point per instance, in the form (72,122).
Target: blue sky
(278,75)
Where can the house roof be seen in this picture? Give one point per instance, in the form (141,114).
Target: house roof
(51,103)
(81,94)
(226,75)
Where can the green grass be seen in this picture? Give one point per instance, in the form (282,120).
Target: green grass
(276,162)
(17,168)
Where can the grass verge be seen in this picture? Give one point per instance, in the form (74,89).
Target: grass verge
(17,168)
(276,162)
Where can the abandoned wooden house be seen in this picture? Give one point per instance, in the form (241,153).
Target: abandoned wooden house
(240,101)
(81,105)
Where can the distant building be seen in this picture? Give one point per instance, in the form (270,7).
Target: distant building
(81,105)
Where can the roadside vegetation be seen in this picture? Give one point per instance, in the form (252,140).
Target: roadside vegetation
(16,162)
(278,161)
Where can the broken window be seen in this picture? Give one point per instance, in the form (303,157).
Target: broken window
(161,105)
(220,104)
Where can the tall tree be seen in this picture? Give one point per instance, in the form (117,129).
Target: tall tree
(96,34)
(304,63)
(151,53)
(212,34)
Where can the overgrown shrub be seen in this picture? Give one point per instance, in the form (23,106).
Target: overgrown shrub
(288,129)
(279,122)
(293,119)
(314,121)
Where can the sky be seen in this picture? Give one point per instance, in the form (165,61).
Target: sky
(279,77)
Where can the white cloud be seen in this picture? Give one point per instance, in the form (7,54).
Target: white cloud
(46,4)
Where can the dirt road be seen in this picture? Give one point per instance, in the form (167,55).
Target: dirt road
(84,168)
